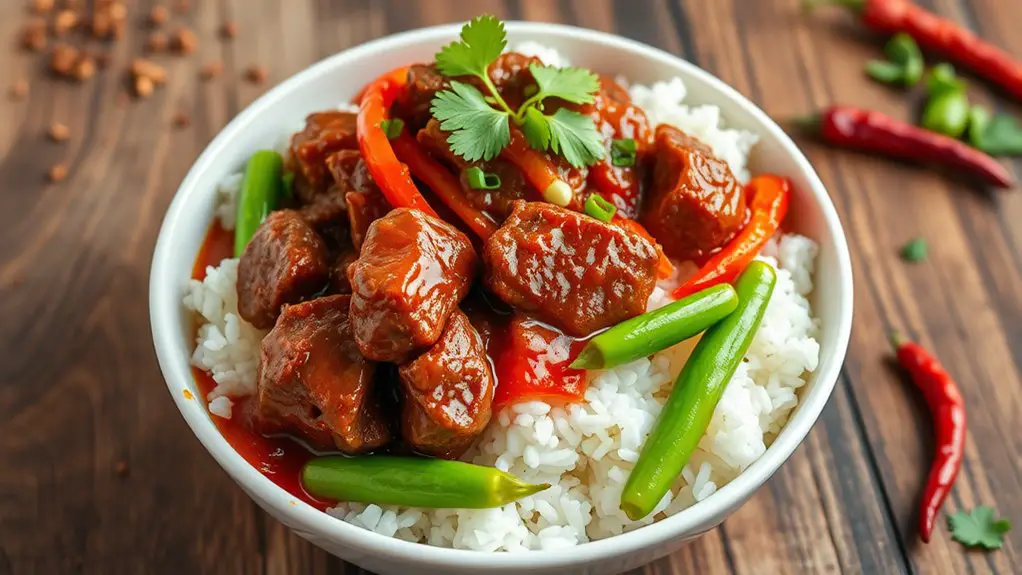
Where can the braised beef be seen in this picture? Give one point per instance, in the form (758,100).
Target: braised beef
(696,204)
(285,262)
(325,133)
(412,272)
(314,383)
(446,392)
(575,272)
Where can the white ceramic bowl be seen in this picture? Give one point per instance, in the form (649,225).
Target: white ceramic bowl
(337,79)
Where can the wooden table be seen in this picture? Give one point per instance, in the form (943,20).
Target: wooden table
(99,474)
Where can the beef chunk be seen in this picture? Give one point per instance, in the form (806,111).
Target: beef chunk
(446,392)
(695,205)
(572,271)
(325,133)
(339,272)
(285,262)
(412,272)
(314,383)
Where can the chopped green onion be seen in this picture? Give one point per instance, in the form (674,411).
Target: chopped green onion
(392,127)
(480,180)
(622,153)
(914,251)
(600,208)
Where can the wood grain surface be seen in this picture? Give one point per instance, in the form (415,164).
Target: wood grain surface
(99,474)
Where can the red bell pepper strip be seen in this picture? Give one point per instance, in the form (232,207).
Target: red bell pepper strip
(442,182)
(947,409)
(665,268)
(535,365)
(390,175)
(769,204)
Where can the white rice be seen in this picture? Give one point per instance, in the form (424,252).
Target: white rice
(585,451)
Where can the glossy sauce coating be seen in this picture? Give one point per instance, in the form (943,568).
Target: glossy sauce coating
(570,270)
(446,392)
(325,132)
(413,271)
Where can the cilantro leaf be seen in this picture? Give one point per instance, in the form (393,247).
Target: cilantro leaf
(477,130)
(482,41)
(536,130)
(978,528)
(574,136)
(575,85)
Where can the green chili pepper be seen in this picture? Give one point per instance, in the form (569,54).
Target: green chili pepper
(598,207)
(947,113)
(659,329)
(260,192)
(413,482)
(698,389)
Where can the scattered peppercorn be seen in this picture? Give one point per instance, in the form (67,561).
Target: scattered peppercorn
(211,70)
(914,251)
(181,120)
(64,22)
(63,59)
(143,86)
(156,42)
(84,68)
(58,132)
(158,15)
(257,74)
(184,41)
(33,35)
(42,6)
(19,90)
(228,30)
(141,68)
(57,173)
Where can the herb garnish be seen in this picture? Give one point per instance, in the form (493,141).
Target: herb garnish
(978,528)
(480,123)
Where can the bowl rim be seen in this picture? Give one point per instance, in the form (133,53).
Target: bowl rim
(165,310)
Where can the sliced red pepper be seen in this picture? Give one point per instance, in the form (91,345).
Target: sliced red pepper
(768,203)
(665,268)
(443,184)
(534,365)
(390,175)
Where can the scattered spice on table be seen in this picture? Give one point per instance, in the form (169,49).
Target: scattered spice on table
(156,42)
(142,68)
(121,469)
(84,68)
(144,86)
(33,35)
(978,528)
(58,132)
(915,250)
(184,41)
(940,36)
(947,409)
(64,22)
(211,70)
(158,14)
(229,30)
(871,131)
(42,7)
(19,90)
(257,74)
(57,173)
(182,6)
(181,120)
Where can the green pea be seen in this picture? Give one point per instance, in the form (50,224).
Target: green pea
(947,113)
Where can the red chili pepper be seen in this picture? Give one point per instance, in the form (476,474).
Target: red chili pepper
(443,183)
(947,408)
(390,175)
(870,131)
(768,203)
(941,36)
(535,365)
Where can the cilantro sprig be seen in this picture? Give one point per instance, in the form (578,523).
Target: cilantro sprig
(978,528)
(480,124)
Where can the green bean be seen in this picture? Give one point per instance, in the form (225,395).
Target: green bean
(686,415)
(659,329)
(413,482)
(260,192)
(947,113)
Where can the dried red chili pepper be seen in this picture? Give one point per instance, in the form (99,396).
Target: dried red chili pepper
(768,202)
(941,36)
(947,408)
(871,131)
